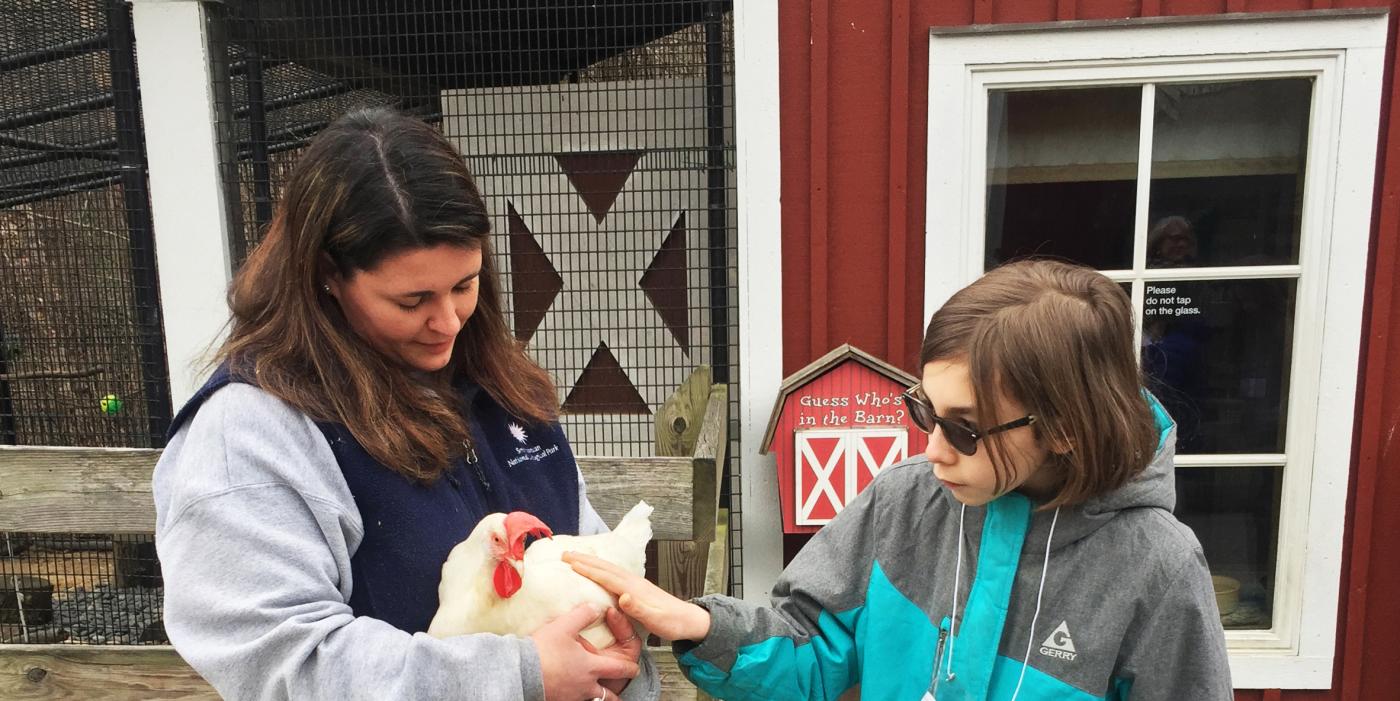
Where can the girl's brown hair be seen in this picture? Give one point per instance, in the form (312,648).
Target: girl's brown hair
(1058,338)
(374,184)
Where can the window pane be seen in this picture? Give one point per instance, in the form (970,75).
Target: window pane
(1227,173)
(1217,353)
(1234,512)
(1061,174)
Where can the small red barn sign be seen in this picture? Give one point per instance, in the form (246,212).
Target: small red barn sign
(835,425)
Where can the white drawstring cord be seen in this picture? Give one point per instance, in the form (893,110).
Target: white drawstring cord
(957,582)
(1038,594)
(952,619)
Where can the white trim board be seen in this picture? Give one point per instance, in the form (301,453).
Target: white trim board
(760,285)
(187,198)
(1344,53)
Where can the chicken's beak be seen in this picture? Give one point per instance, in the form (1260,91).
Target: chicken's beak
(520,525)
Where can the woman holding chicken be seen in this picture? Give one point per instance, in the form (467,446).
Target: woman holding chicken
(356,430)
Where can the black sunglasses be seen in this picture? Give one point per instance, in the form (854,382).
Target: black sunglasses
(961,436)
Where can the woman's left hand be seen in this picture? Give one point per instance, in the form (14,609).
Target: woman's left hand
(628,646)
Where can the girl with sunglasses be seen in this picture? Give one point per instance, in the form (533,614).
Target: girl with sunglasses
(1029,553)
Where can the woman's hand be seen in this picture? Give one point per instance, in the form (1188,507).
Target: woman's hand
(571,671)
(658,611)
(628,647)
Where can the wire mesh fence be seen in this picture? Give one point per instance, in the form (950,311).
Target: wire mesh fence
(81,353)
(80,588)
(81,349)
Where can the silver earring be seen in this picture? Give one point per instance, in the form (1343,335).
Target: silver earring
(326,289)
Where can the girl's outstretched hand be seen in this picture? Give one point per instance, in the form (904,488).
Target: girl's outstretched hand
(659,612)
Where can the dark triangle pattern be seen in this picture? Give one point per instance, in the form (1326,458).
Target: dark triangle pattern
(535,281)
(664,283)
(603,388)
(598,177)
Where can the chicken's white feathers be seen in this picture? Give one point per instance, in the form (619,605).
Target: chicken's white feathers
(468,603)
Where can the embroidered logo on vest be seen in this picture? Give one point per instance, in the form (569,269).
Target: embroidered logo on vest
(524,453)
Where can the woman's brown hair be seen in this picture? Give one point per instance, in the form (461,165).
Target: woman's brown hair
(374,184)
(1058,338)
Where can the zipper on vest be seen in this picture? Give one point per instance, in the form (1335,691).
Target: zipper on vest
(472,460)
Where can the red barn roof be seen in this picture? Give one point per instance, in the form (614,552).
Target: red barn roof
(817,367)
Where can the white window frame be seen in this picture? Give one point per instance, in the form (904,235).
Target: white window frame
(1344,52)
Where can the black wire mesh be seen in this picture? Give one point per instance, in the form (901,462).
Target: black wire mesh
(80,588)
(81,352)
(601,134)
(81,349)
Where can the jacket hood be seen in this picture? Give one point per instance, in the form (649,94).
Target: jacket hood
(1154,487)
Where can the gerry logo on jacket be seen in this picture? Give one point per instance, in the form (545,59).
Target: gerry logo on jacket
(523,453)
(1060,645)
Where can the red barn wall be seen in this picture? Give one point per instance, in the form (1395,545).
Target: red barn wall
(853,98)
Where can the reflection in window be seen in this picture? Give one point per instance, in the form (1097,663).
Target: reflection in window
(1217,354)
(1234,513)
(1227,173)
(1061,174)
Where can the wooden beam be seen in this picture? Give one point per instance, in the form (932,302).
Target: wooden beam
(111,672)
(681,416)
(674,685)
(142,672)
(615,485)
(717,568)
(108,490)
(679,421)
(710,451)
(77,490)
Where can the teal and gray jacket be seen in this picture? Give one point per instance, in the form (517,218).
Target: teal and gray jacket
(882,598)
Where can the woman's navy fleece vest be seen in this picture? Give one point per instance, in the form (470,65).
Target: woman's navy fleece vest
(410,528)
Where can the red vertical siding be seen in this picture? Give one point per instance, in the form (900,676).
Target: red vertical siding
(896,333)
(853,96)
(1370,641)
(1108,9)
(795,137)
(1192,7)
(819,111)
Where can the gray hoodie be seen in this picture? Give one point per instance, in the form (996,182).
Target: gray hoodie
(911,596)
(255,527)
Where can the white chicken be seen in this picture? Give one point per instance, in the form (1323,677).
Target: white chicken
(492,583)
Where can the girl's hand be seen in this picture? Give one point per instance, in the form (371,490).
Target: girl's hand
(572,672)
(662,614)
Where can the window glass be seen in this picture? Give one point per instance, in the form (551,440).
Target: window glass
(1062,174)
(1234,513)
(1217,353)
(1227,173)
